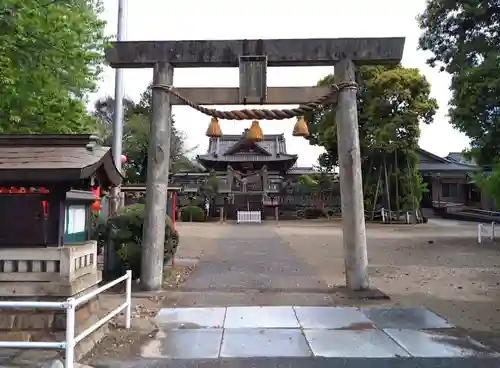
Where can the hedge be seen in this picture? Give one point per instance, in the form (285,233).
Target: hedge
(124,231)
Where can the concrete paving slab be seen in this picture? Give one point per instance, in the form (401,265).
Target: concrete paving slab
(443,343)
(409,318)
(261,317)
(274,342)
(332,318)
(190,318)
(353,344)
(184,344)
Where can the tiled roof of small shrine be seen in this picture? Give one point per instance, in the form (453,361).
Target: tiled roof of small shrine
(55,158)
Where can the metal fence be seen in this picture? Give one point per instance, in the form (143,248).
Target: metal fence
(485,232)
(70,306)
(249,217)
(391,216)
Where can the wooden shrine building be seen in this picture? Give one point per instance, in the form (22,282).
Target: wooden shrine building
(251,176)
(46,196)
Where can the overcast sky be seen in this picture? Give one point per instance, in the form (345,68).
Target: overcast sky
(224,19)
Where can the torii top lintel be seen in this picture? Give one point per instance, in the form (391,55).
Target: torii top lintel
(280,52)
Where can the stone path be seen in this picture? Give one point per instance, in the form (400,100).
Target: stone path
(202,334)
(252,265)
(245,332)
(253,258)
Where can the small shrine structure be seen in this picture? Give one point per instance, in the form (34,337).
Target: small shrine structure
(47,195)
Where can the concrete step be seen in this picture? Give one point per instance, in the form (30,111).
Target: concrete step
(306,362)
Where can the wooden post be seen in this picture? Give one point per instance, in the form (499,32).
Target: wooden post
(157,181)
(396,168)
(351,186)
(376,192)
(387,191)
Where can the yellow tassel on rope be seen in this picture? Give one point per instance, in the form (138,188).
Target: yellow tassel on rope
(213,130)
(255,134)
(300,129)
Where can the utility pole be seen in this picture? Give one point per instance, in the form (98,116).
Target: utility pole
(157,181)
(116,148)
(119,92)
(351,182)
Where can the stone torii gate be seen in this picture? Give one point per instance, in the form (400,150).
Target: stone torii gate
(253,57)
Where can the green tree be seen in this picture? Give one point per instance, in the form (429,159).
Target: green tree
(490,183)
(50,58)
(392,102)
(464,39)
(104,111)
(136,138)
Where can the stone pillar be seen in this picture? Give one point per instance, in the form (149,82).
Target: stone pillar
(351,187)
(157,181)
(276,213)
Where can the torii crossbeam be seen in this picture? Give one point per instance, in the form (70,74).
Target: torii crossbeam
(253,56)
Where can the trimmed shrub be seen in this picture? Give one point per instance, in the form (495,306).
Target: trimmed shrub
(192,213)
(313,213)
(124,231)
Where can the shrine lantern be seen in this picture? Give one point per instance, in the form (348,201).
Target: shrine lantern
(95,206)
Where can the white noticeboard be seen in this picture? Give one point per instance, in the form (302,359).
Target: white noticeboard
(76,219)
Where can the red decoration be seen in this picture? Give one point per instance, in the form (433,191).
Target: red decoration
(45,208)
(22,190)
(96,192)
(95,206)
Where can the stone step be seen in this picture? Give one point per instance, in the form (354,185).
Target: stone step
(306,362)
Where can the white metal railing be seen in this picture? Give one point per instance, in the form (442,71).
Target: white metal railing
(389,216)
(70,306)
(248,217)
(485,231)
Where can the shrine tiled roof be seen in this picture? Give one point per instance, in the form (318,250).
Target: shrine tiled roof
(55,158)
(429,162)
(235,148)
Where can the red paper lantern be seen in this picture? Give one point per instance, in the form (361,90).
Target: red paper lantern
(96,192)
(95,206)
(123,159)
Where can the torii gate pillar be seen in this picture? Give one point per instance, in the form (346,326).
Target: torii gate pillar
(343,53)
(351,182)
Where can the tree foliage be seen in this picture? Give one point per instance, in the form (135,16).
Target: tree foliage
(392,102)
(464,39)
(489,182)
(50,58)
(136,136)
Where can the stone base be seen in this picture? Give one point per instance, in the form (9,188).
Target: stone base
(368,294)
(49,274)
